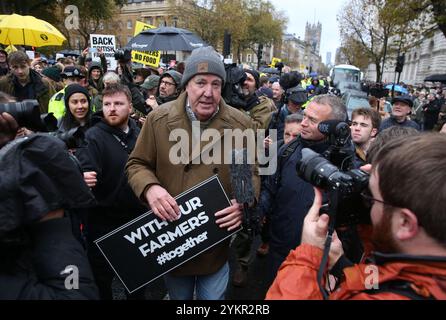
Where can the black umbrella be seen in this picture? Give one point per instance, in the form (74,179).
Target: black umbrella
(166,38)
(436,78)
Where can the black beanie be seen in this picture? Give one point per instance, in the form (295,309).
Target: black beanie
(256,76)
(76,88)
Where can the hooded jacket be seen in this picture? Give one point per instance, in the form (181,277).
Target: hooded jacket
(98,84)
(106,152)
(38,176)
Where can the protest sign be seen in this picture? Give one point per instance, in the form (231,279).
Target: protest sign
(148,58)
(108,45)
(147,247)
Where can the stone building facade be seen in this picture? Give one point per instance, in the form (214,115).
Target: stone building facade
(426,59)
(300,54)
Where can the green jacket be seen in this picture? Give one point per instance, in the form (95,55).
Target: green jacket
(42,88)
(261,113)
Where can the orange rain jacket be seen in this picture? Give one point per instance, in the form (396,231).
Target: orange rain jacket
(297,277)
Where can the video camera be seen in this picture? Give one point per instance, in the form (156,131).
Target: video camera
(333,172)
(27,114)
(290,82)
(232,92)
(123,55)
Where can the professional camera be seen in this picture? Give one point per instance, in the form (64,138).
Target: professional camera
(123,55)
(73,138)
(232,92)
(290,82)
(321,173)
(334,172)
(27,114)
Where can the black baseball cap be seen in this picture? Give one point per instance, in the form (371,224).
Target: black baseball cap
(404,99)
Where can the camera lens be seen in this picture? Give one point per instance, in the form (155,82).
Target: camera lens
(26,113)
(315,169)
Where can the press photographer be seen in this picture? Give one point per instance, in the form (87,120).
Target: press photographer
(408,221)
(289,195)
(26,116)
(38,251)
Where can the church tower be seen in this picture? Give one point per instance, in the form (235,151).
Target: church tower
(313,33)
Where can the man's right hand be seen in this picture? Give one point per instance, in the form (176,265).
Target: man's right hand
(90,178)
(151,102)
(162,203)
(267,142)
(8,128)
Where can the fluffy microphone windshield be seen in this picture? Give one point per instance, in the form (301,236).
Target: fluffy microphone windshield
(241,177)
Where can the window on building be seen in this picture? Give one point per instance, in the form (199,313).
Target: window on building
(101,25)
(431,46)
(129,38)
(149,20)
(129,24)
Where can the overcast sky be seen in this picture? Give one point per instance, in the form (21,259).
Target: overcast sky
(300,11)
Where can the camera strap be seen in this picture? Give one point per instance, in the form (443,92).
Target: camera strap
(292,146)
(123,144)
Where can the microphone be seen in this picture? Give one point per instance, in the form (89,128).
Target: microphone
(243,189)
(329,127)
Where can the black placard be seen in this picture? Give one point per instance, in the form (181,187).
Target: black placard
(146,248)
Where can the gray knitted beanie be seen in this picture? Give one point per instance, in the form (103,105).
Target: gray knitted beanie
(203,60)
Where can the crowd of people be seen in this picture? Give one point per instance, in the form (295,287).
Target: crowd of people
(122,169)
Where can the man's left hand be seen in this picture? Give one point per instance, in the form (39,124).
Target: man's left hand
(230,217)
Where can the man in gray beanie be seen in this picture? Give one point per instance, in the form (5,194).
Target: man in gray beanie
(157,177)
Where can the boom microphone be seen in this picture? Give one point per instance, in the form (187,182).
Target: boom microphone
(241,181)
(241,177)
(290,80)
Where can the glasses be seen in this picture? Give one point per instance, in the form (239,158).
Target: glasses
(167,83)
(369,201)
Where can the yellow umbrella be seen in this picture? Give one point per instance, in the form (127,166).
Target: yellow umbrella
(29,31)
